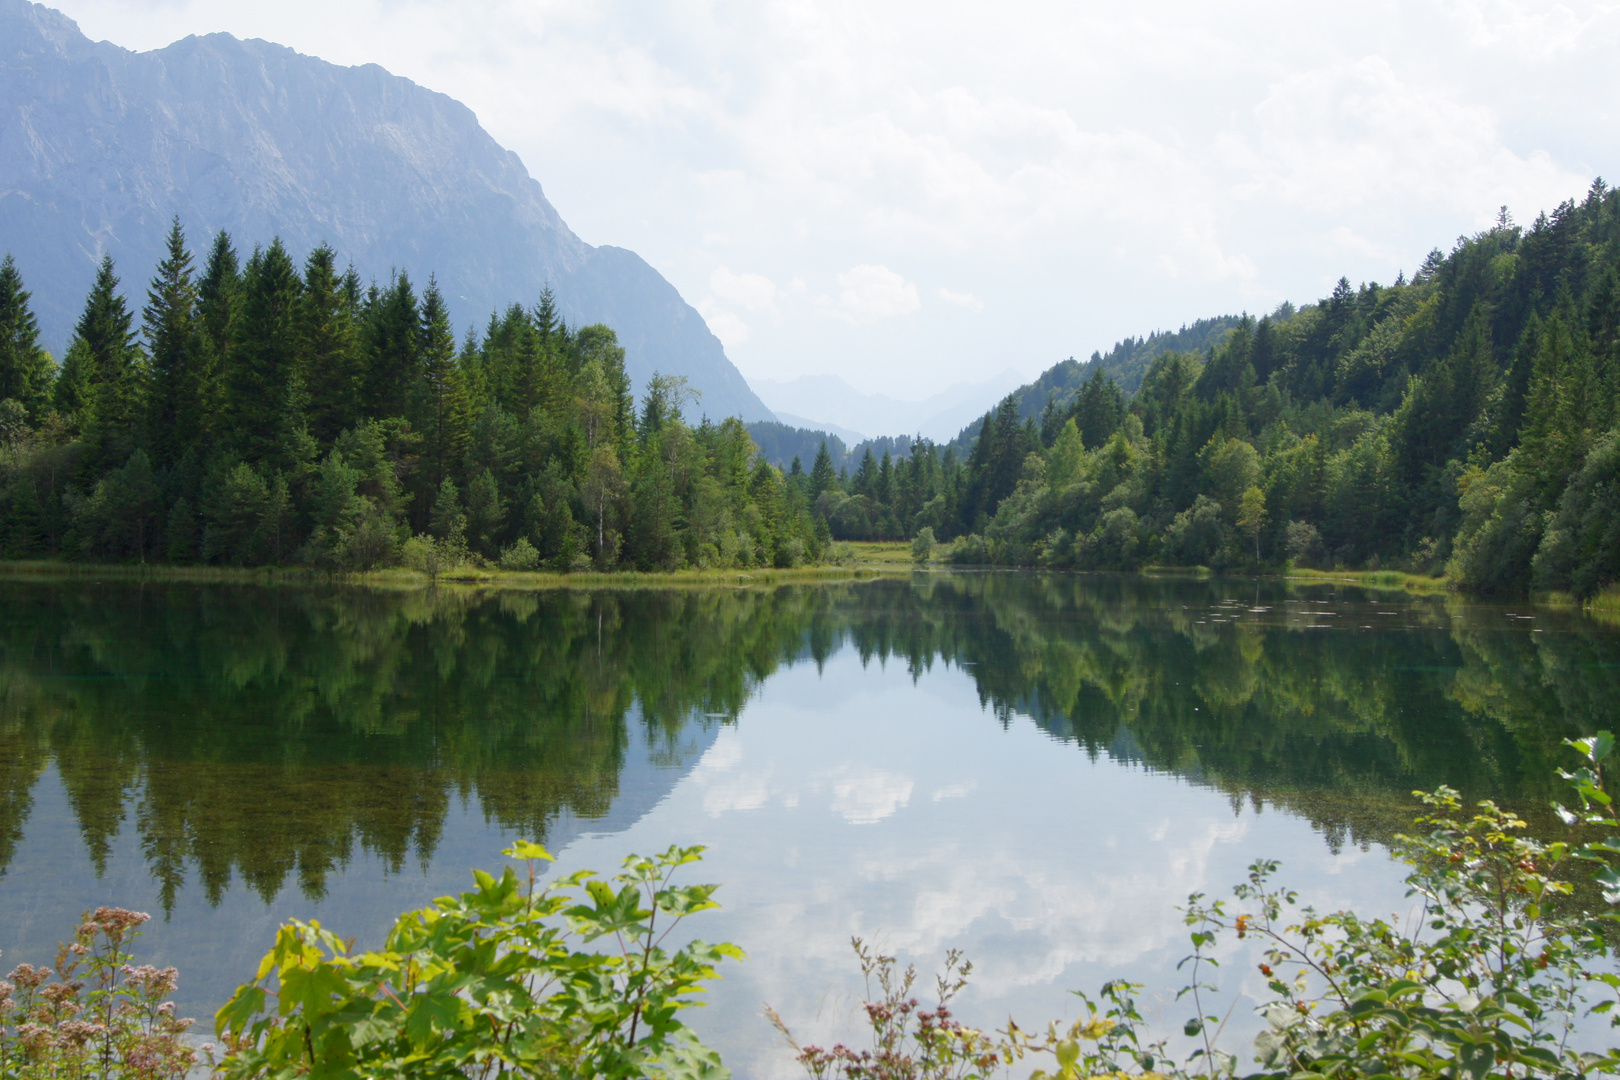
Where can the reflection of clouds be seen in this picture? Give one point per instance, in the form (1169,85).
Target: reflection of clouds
(740,793)
(1057,873)
(864,796)
(724,786)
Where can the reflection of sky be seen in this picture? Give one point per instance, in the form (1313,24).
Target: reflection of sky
(851,802)
(858,803)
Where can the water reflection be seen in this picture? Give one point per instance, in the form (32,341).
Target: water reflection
(242,755)
(266,734)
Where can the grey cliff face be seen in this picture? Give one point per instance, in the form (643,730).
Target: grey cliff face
(101,147)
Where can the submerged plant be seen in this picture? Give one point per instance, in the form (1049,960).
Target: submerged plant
(94,1015)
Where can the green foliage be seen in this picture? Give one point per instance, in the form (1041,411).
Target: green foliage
(94,1015)
(508,977)
(922,545)
(520,556)
(296,417)
(25,368)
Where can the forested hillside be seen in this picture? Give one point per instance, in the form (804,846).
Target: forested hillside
(1464,420)
(263,413)
(1126,363)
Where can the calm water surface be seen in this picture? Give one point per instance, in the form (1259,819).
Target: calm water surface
(1035,770)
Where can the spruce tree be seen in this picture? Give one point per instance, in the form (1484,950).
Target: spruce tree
(265,357)
(176,409)
(219,304)
(25,368)
(393,350)
(440,412)
(115,376)
(328,343)
(822,477)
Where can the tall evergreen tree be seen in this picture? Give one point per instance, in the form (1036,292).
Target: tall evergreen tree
(393,349)
(115,375)
(219,305)
(822,477)
(25,368)
(328,342)
(440,412)
(264,368)
(176,409)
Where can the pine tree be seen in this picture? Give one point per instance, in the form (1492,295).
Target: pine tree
(393,351)
(822,477)
(219,304)
(328,342)
(265,361)
(115,376)
(25,368)
(176,411)
(441,403)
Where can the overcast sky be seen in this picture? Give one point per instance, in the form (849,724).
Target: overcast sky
(914,194)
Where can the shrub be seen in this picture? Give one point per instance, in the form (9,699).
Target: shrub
(94,1015)
(520,556)
(491,982)
(922,545)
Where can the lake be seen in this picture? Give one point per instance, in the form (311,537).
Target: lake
(1033,769)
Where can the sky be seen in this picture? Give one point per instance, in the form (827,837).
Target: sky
(909,195)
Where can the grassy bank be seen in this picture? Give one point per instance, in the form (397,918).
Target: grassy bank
(860,564)
(1392,580)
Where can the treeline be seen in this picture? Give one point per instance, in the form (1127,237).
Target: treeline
(1463,421)
(263,413)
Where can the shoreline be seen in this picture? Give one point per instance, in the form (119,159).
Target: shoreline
(461,577)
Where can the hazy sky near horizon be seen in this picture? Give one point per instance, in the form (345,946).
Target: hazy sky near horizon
(913,194)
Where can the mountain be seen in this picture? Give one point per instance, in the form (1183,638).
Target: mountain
(101,147)
(831,404)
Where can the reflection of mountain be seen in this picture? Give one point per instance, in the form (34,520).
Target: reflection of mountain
(270,734)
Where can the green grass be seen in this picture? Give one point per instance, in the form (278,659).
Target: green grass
(1392,580)
(861,566)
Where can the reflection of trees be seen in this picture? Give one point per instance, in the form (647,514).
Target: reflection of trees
(1338,726)
(270,734)
(265,734)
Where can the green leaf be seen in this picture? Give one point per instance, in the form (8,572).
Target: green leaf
(528,849)
(1476,1059)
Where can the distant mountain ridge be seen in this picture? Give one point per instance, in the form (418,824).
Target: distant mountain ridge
(101,147)
(828,403)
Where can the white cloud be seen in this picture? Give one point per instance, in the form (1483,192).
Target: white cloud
(726,325)
(870,293)
(962,300)
(751,292)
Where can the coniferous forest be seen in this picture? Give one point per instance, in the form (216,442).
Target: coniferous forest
(256,413)
(1465,420)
